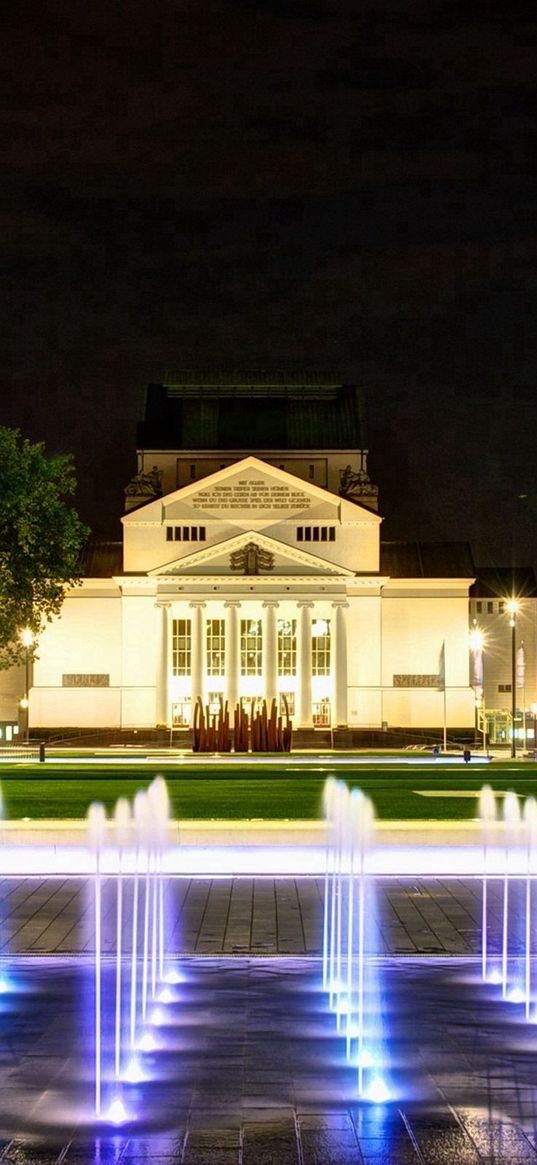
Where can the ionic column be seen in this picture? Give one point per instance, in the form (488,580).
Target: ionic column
(197,669)
(232,654)
(304,666)
(340,665)
(162,708)
(270,651)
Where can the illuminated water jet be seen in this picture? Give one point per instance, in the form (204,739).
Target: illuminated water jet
(137,843)
(349,971)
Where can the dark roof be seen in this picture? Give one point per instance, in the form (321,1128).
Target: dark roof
(102,559)
(397,559)
(493,582)
(249,411)
(426,560)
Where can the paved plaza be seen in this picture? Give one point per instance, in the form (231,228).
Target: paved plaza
(251,1070)
(250,916)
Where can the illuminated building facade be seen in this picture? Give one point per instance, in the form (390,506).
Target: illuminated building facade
(252,567)
(494,675)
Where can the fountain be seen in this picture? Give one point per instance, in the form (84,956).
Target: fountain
(123,1024)
(349,966)
(506,948)
(487,815)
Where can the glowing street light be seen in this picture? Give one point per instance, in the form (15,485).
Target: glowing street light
(477,639)
(27,640)
(512,607)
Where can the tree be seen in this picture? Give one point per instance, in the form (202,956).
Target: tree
(41,538)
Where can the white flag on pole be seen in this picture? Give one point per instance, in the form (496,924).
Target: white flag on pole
(477,668)
(520,667)
(442,668)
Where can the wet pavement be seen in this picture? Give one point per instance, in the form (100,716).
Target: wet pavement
(250,1069)
(261,916)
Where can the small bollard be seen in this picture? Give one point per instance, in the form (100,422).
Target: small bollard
(41,752)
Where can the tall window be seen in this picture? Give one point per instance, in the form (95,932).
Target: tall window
(251,647)
(216,647)
(182,647)
(320,647)
(287,647)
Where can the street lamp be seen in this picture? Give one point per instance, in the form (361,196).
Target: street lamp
(512,607)
(27,640)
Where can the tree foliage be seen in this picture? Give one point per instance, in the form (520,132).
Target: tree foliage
(41,538)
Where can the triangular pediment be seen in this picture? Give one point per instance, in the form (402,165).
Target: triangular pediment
(249,491)
(240,556)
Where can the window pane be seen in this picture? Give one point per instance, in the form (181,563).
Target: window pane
(320,648)
(287,647)
(181,647)
(251,647)
(216,647)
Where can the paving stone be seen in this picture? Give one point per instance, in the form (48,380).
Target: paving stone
(441,1147)
(330,1147)
(21,1152)
(266,1145)
(498,1140)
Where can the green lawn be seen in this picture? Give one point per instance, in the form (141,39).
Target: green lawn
(267,792)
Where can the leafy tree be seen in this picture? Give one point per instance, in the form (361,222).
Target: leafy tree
(41,538)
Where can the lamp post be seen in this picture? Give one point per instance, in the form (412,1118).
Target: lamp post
(27,639)
(512,608)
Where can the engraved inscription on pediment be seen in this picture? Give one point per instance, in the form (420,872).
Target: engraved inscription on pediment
(253,496)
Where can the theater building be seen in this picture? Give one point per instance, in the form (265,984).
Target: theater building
(252,566)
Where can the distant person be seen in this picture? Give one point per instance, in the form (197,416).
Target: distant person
(436,750)
(467,756)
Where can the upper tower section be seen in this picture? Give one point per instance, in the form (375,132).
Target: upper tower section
(312,426)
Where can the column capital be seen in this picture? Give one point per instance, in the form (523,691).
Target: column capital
(197,603)
(232,603)
(270,603)
(340,603)
(162,604)
(305,603)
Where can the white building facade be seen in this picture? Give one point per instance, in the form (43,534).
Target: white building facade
(253,582)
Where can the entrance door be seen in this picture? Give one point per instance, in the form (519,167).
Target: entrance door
(181,714)
(321,713)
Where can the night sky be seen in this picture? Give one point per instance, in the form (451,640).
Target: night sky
(280,184)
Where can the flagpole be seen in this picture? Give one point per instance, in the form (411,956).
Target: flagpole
(521,681)
(442,679)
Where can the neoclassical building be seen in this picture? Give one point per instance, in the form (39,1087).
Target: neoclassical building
(252,566)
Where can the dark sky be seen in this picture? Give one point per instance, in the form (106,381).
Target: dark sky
(302,184)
